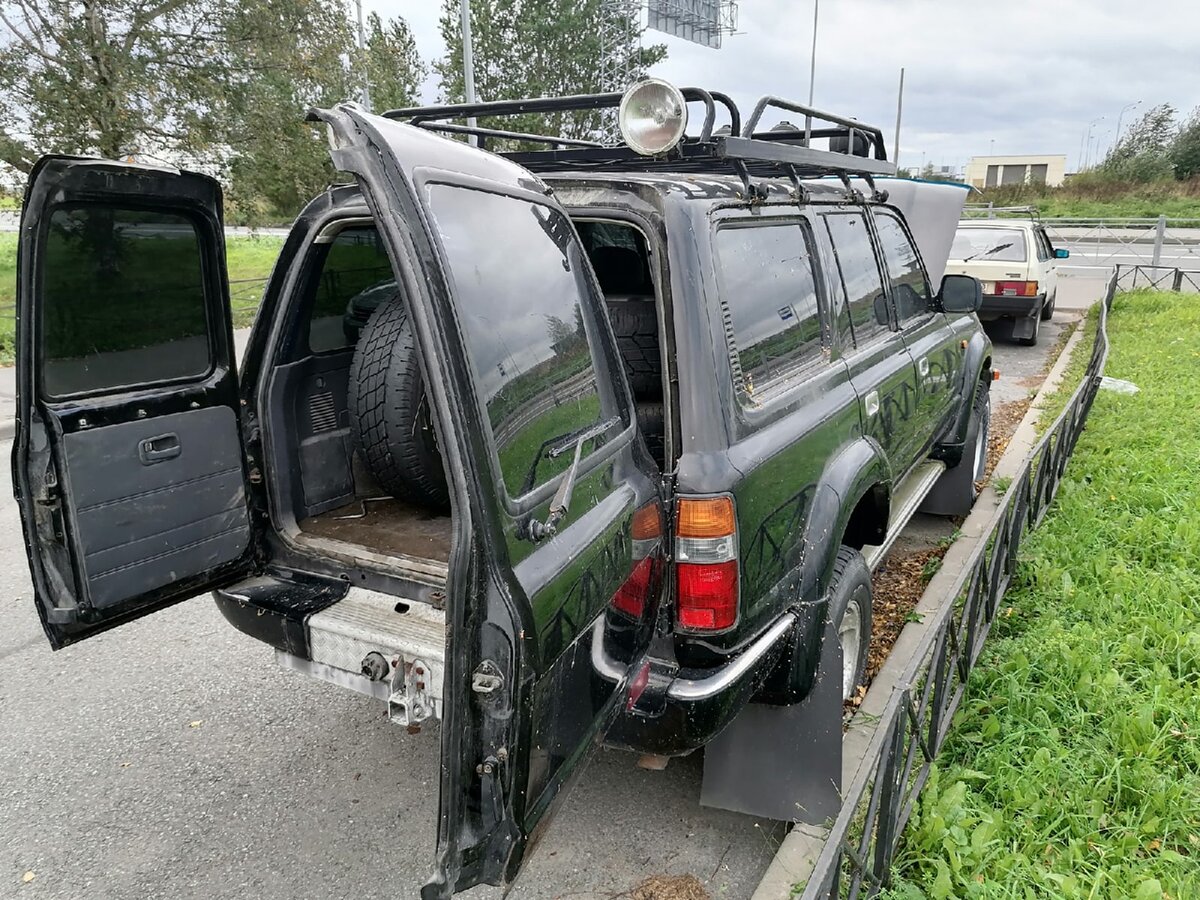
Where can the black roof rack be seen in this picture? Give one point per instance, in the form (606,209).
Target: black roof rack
(855,148)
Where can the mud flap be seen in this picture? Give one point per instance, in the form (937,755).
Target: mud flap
(783,762)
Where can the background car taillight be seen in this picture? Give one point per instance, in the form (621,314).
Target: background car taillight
(1011,288)
(706,564)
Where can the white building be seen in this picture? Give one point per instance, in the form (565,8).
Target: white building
(992,171)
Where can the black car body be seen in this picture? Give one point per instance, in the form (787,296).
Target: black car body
(666,399)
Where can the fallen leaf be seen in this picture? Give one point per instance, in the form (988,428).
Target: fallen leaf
(195,724)
(28,876)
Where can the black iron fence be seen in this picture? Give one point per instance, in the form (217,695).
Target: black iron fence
(857,856)
(1162,278)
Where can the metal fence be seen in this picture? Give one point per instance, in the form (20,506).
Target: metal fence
(857,856)
(1163,278)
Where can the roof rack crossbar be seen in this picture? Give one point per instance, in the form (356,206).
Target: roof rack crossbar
(576,102)
(480,131)
(806,158)
(849,126)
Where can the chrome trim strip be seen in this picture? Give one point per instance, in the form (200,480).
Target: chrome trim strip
(606,667)
(687,689)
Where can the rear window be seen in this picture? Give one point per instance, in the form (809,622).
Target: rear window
(520,306)
(123,300)
(770,297)
(993,244)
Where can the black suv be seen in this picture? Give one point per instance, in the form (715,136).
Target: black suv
(557,446)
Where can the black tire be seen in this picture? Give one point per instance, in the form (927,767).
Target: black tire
(389,412)
(635,324)
(651,419)
(850,609)
(1048,307)
(954,493)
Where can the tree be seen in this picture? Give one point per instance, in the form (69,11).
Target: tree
(394,68)
(111,77)
(1142,153)
(1185,148)
(527,48)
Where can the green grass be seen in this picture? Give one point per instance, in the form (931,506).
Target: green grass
(249,260)
(1073,768)
(1055,401)
(1132,207)
(8,201)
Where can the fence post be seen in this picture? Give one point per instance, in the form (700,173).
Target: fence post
(991,213)
(1159,233)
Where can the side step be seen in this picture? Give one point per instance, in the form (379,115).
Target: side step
(905,501)
(379,645)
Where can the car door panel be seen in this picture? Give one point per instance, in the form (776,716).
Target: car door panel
(547,472)
(128,464)
(133,531)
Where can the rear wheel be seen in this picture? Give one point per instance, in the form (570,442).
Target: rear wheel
(850,611)
(1048,307)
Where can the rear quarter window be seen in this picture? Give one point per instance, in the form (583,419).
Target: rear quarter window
(769,300)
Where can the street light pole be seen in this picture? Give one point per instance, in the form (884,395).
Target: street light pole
(899,109)
(362,59)
(812,76)
(1120,116)
(468,64)
(1088,156)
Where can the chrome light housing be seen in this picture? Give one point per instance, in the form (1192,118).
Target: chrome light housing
(652,117)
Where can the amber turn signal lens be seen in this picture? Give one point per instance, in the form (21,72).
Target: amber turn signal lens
(995,374)
(706,517)
(646,524)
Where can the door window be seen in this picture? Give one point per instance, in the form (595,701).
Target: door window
(521,278)
(910,289)
(123,300)
(355,279)
(769,294)
(1044,251)
(858,277)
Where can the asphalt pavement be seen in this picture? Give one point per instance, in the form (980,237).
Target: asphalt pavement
(172,757)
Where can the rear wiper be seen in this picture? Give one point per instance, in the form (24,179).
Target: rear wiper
(562,497)
(989,251)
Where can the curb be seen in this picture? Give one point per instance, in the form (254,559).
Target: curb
(797,855)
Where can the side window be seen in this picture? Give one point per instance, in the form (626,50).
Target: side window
(355,278)
(858,275)
(1043,245)
(124,300)
(769,295)
(910,290)
(526,327)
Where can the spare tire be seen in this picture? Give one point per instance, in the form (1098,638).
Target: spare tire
(389,412)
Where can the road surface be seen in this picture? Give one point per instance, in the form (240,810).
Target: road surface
(171,757)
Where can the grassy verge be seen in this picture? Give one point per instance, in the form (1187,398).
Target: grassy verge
(249,260)
(1073,769)
(1054,401)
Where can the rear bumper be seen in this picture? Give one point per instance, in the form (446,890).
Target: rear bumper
(996,307)
(681,710)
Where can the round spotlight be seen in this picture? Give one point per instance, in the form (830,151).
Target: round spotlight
(652,117)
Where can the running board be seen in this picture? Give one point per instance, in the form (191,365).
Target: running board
(905,502)
(380,645)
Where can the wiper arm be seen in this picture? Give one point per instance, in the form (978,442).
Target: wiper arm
(989,251)
(562,497)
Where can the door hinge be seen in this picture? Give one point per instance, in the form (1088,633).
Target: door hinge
(491,790)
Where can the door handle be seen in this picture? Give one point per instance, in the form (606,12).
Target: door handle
(156,449)
(871,403)
(923,366)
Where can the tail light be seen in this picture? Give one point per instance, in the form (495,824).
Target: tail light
(645,531)
(1014,289)
(706,564)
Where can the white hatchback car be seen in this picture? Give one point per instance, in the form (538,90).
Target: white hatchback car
(1015,262)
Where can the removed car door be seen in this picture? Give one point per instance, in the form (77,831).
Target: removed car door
(128,466)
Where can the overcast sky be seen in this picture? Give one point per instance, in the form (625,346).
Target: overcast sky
(1028,75)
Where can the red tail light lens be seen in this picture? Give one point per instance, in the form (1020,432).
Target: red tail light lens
(1016,288)
(631,596)
(708,595)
